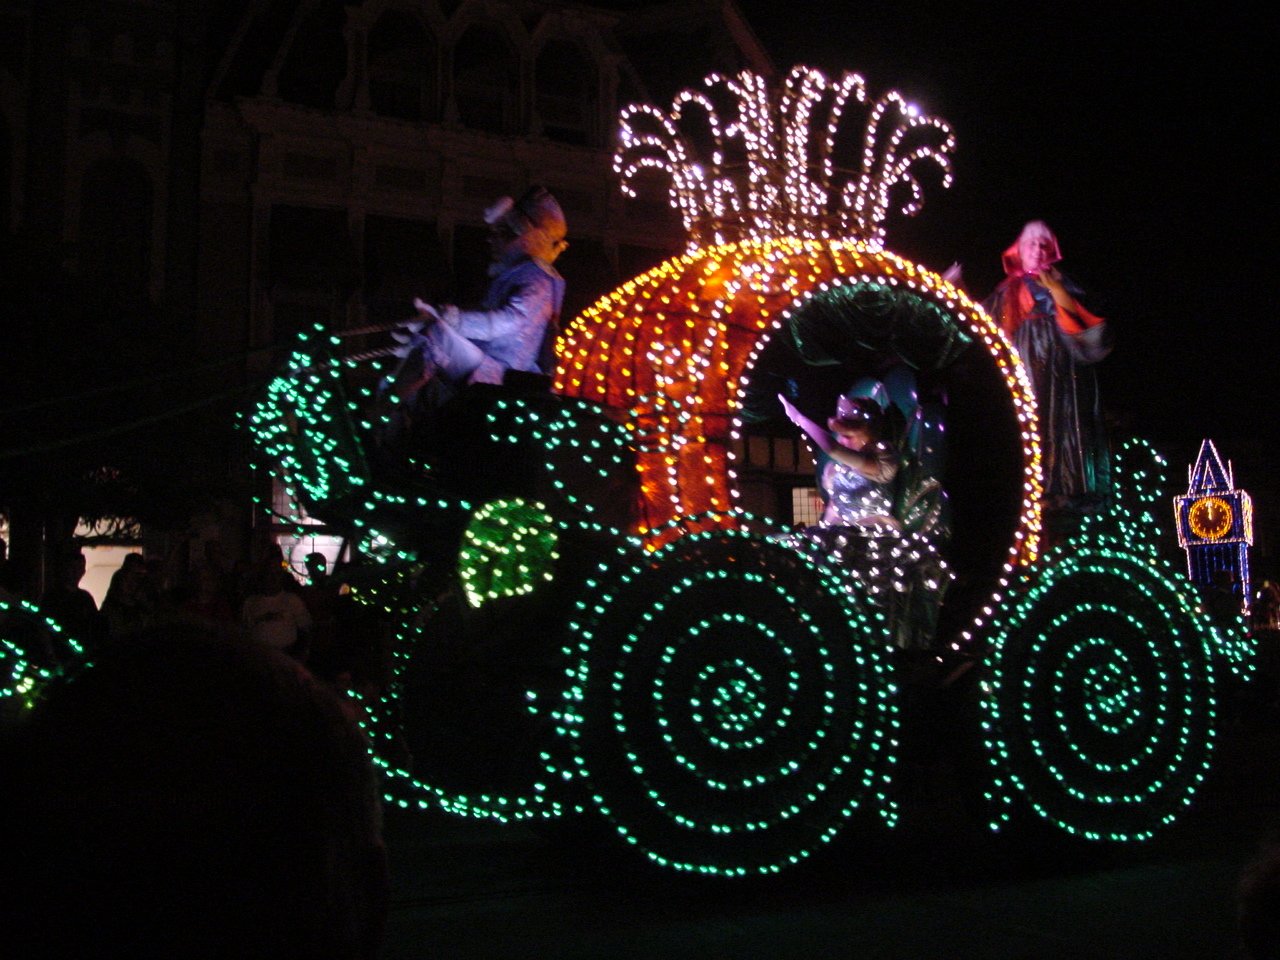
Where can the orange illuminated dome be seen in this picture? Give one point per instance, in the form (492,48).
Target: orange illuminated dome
(675,349)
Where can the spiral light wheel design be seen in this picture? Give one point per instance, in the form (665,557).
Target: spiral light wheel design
(731,706)
(1100,713)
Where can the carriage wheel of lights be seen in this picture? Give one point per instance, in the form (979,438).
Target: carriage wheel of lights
(731,704)
(1099,714)
(1100,711)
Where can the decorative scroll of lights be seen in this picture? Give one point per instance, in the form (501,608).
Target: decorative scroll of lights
(297,423)
(404,596)
(34,650)
(750,161)
(301,427)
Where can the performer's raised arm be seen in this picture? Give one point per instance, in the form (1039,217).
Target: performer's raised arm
(853,439)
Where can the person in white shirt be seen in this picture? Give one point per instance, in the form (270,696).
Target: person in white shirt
(276,617)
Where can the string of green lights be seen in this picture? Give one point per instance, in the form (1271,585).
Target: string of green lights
(34,651)
(1100,707)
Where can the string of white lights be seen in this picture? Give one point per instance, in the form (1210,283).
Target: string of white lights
(772,169)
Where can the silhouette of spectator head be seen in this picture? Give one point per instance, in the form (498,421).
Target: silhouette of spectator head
(317,565)
(191,798)
(215,554)
(266,579)
(71,566)
(131,575)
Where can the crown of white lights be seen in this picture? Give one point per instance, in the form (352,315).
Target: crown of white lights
(770,171)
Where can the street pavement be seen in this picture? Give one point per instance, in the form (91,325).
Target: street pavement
(936,887)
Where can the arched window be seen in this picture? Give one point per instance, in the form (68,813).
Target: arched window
(402,68)
(317,60)
(486,84)
(115,230)
(311,269)
(566,82)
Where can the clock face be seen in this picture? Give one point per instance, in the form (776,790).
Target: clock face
(1210,518)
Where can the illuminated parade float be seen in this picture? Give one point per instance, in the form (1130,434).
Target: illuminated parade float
(577,592)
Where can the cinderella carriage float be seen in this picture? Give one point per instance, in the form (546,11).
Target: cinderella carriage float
(588,622)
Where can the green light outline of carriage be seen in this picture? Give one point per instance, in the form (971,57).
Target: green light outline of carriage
(724,701)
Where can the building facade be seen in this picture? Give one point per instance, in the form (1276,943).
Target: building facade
(237,171)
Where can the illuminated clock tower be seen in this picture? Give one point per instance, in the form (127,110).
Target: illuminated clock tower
(1215,523)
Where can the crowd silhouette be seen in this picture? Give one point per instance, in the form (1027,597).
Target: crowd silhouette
(312,617)
(191,796)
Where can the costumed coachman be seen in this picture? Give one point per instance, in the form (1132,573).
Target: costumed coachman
(1059,340)
(516,325)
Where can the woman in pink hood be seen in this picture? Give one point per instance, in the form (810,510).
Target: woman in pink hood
(1059,340)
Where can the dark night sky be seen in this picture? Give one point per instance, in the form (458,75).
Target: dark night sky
(1143,140)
